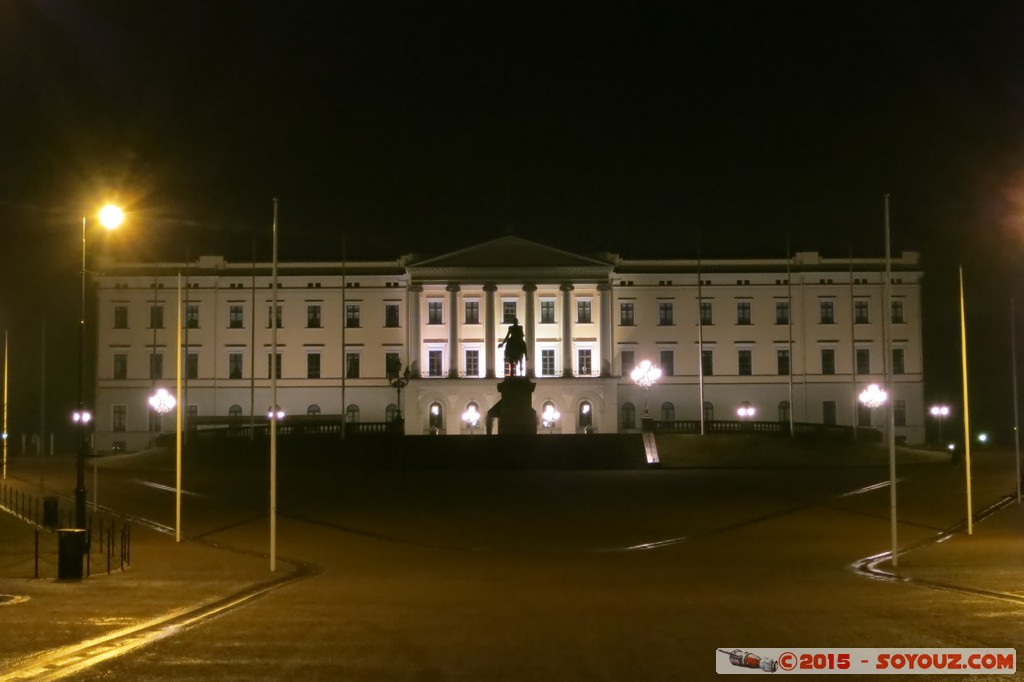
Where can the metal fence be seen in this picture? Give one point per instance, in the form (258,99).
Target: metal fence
(33,553)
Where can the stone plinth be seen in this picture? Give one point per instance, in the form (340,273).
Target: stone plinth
(514,411)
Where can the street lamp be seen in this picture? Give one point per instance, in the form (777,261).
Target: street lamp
(874,397)
(275,414)
(472,417)
(110,217)
(398,382)
(746,411)
(549,416)
(162,401)
(644,375)
(940,412)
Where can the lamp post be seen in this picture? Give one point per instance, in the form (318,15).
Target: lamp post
(398,382)
(940,412)
(874,397)
(163,402)
(110,217)
(472,418)
(746,411)
(645,375)
(549,416)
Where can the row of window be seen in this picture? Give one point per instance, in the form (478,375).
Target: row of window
(547,367)
(435,314)
(829,411)
(236,316)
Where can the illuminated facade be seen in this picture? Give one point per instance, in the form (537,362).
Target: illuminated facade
(793,339)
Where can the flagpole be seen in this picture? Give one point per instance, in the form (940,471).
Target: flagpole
(967,423)
(1016,410)
(274,410)
(177,422)
(890,414)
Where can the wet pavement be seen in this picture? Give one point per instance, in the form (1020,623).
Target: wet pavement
(416,604)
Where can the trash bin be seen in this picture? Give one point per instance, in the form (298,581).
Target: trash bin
(70,553)
(51,512)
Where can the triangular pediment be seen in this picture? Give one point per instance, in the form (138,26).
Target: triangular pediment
(510,252)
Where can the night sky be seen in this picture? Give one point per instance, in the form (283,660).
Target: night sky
(432,126)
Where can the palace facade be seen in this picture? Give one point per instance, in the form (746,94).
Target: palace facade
(794,339)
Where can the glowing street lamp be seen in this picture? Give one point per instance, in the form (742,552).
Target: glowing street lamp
(746,411)
(940,412)
(645,375)
(549,416)
(110,217)
(162,401)
(472,417)
(873,397)
(275,415)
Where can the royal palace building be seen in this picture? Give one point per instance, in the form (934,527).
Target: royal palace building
(792,340)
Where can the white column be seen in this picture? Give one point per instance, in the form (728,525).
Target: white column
(566,290)
(453,330)
(530,291)
(414,330)
(489,332)
(605,292)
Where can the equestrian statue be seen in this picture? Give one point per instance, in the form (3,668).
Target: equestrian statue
(515,348)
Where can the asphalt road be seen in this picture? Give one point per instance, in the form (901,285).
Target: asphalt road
(620,575)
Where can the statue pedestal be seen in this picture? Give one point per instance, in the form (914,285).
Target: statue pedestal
(515,413)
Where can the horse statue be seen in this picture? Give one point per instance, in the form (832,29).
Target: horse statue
(515,348)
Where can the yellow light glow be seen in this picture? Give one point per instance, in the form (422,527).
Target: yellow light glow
(111,216)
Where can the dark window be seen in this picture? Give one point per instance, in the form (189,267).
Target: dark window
(192,317)
(472,363)
(119,418)
(547,362)
(828,312)
(120,366)
(352,315)
(898,361)
(352,414)
(707,362)
(276,364)
(897,312)
(312,365)
(313,316)
(860,312)
(863,361)
(784,411)
(391,315)
(234,365)
(668,363)
(668,412)
(863,415)
(235,411)
(628,416)
(709,412)
(628,361)
(434,312)
(583,312)
(236,319)
(392,364)
(472,312)
(899,414)
(782,312)
(508,312)
(583,356)
(782,360)
(745,359)
(192,365)
(705,313)
(272,318)
(828,361)
(547,312)
(156,317)
(828,412)
(665,314)
(120,317)
(626,318)
(156,366)
(351,365)
(434,363)
(743,312)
